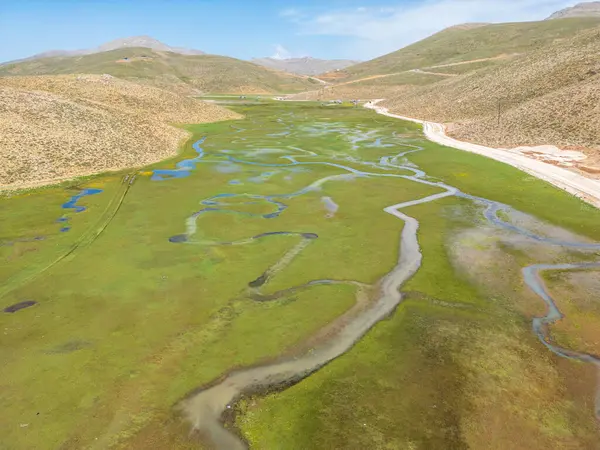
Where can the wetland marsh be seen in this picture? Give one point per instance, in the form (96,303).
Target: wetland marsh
(307,277)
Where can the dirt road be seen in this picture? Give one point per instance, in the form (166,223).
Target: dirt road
(585,188)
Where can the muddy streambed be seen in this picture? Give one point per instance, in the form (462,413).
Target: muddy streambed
(205,408)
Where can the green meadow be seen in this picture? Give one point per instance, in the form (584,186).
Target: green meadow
(127,323)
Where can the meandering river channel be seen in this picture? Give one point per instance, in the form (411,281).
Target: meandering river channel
(204,408)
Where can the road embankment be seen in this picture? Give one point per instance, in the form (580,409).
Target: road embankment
(585,188)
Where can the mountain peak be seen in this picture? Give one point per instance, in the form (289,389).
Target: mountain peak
(146,42)
(586,9)
(133,41)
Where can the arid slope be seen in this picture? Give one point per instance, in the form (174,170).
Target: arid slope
(549,96)
(450,54)
(470,42)
(55,128)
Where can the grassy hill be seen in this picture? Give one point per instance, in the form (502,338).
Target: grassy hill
(467,43)
(59,127)
(185,73)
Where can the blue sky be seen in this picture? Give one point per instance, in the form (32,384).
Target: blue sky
(249,28)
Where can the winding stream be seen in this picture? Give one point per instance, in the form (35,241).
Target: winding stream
(204,408)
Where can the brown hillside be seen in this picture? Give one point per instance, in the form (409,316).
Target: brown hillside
(56,128)
(457,44)
(549,96)
(568,117)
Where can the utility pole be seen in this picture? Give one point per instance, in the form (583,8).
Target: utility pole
(498,113)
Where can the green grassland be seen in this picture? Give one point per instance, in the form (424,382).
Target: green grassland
(130,323)
(36,214)
(497,181)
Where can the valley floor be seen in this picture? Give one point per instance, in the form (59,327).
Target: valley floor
(307,277)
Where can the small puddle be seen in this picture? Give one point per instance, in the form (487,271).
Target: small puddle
(73,205)
(19,306)
(330,206)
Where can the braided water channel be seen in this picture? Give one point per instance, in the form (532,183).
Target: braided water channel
(205,407)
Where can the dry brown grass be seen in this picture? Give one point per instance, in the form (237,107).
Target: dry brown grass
(549,96)
(568,118)
(457,44)
(58,127)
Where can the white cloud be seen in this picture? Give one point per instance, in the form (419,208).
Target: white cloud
(290,12)
(376,30)
(281,52)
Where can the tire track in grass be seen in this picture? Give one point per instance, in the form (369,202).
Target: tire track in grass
(85,240)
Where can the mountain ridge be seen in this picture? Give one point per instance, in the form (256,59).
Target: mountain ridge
(585,9)
(190,74)
(477,41)
(144,41)
(305,65)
